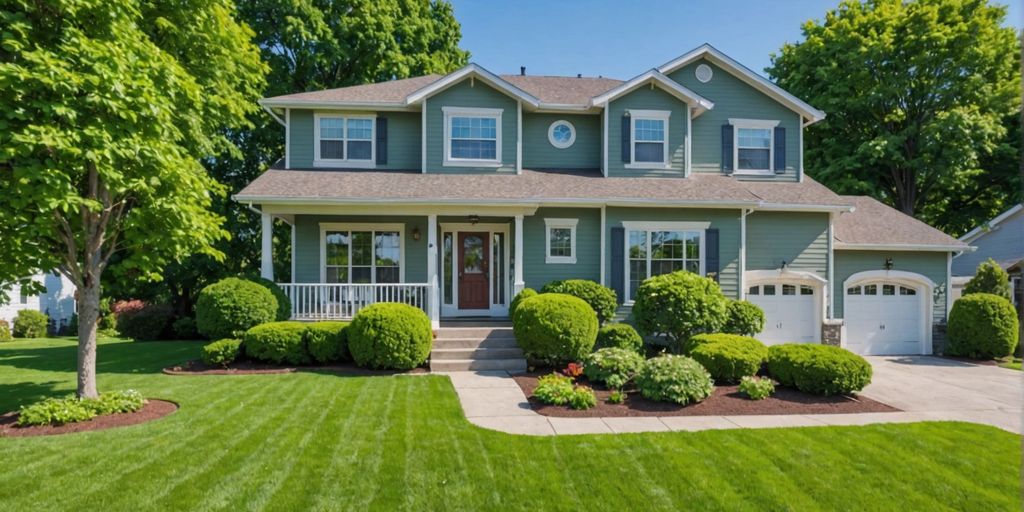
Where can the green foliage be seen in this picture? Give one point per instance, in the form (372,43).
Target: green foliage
(284,305)
(617,397)
(982,326)
(222,352)
(390,335)
(600,298)
(757,388)
(672,378)
(518,299)
(231,306)
(619,335)
(555,389)
(185,328)
(5,331)
(29,323)
(990,278)
(555,328)
(678,306)
(149,323)
(328,341)
(818,369)
(927,90)
(614,366)
(728,357)
(744,318)
(71,409)
(582,397)
(277,342)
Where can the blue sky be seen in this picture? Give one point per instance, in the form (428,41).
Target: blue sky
(621,39)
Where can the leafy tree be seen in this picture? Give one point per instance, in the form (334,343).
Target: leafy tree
(107,108)
(989,278)
(921,98)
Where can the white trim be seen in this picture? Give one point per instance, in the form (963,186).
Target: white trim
(449,310)
(922,284)
(551,134)
(273,115)
(371,163)
(743,254)
(569,224)
(700,103)
(657,115)
(753,124)
(949,284)
(800,167)
(842,246)
(484,113)
(473,71)
(423,139)
(603,247)
(831,262)
(665,226)
(266,246)
(688,161)
(517,280)
(362,226)
(648,226)
(288,139)
(987,227)
(604,143)
(294,253)
(371,106)
(519,137)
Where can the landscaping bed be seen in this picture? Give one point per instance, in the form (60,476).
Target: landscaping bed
(197,367)
(724,401)
(152,410)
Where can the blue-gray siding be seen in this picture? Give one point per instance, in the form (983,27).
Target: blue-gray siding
(1004,243)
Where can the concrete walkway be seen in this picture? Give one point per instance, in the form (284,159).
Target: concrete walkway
(925,388)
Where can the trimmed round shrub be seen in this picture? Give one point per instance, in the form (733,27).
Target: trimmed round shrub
(185,328)
(600,298)
(520,297)
(982,326)
(743,318)
(5,331)
(150,323)
(818,369)
(222,352)
(390,335)
(728,357)
(555,328)
(678,306)
(672,378)
(284,306)
(277,342)
(619,335)
(990,278)
(232,306)
(29,323)
(614,366)
(328,341)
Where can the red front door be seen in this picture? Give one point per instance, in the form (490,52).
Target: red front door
(473,271)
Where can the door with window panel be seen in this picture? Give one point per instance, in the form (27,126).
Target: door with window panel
(883,318)
(790,311)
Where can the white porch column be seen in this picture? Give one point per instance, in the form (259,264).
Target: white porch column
(435,296)
(518,284)
(267,253)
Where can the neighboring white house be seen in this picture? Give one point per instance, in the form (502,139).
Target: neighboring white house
(1001,239)
(58,302)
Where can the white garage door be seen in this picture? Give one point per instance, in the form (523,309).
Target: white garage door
(883,319)
(789,310)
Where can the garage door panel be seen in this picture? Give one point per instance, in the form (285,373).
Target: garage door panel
(790,313)
(883,319)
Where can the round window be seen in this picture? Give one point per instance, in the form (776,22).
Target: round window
(704,73)
(561,134)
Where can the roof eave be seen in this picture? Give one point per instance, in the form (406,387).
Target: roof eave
(699,103)
(336,105)
(458,75)
(903,247)
(977,232)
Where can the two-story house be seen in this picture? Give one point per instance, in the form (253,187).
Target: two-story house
(455,192)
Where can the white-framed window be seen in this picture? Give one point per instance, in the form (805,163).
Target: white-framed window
(649,139)
(344,140)
(362,253)
(753,145)
(472,137)
(655,248)
(560,240)
(562,134)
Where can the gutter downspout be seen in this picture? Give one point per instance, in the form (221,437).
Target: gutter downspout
(743,252)
(831,269)
(603,248)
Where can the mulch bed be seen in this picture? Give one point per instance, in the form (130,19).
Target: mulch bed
(197,367)
(724,401)
(153,409)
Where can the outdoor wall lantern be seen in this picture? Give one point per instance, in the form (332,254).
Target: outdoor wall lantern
(474,219)
(416,233)
(783,268)
(888,263)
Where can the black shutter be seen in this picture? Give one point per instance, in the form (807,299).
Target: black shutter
(711,266)
(780,150)
(626,146)
(619,263)
(382,141)
(727,164)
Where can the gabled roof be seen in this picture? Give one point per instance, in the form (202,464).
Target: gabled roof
(477,71)
(391,93)
(706,51)
(876,226)
(698,102)
(977,232)
(562,90)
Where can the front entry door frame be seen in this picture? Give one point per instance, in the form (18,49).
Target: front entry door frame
(471,284)
(453,310)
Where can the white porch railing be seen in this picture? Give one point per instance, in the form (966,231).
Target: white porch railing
(335,301)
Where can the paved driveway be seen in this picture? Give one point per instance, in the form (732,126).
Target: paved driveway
(943,389)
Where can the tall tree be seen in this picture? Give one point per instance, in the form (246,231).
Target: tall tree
(107,108)
(923,104)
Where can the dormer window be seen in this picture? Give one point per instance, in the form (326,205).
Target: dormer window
(472,137)
(343,141)
(649,136)
(754,145)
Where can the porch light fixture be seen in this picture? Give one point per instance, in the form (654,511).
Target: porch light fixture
(783,268)
(888,263)
(416,233)
(474,219)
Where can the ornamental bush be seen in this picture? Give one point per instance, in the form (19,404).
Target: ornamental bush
(284,306)
(728,357)
(678,306)
(519,298)
(5,331)
(232,306)
(222,352)
(149,323)
(277,342)
(613,366)
(600,298)
(672,378)
(982,326)
(29,323)
(818,369)
(185,328)
(582,397)
(619,335)
(71,409)
(555,328)
(743,318)
(328,341)
(990,278)
(757,388)
(390,335)
(555,389)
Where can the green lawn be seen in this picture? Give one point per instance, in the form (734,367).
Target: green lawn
(1012,363)
(322,441)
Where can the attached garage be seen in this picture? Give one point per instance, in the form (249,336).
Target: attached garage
(887,313)
(792,304)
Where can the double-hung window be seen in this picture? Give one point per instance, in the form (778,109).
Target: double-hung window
(472,136)
(653,249)
(754,145)
(649,138)
(560,243)
(344,141)
(362,253)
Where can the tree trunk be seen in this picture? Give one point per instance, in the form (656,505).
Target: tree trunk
(88,316)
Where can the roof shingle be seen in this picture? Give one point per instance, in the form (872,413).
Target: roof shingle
(874,223)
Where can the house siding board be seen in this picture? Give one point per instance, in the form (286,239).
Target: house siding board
(536,272)
(538,153)
(734,99)
(300,129)
(929,264)
(1004,243)
(403,139)
(645,98)
(307,244)
(477,95)
(799,239)
(726,221)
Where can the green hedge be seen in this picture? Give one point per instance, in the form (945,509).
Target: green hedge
(818,369)
(678,306)
(518,299)
(185,328)
(222,352)
(728,357)
(29,323)
(328,341)
(284,306)
(390,335)
(151,322)
(621,336)
(277,342)
(555,328)
(600,298)
(983,326)
(672,378)
(232,306)
(743,318)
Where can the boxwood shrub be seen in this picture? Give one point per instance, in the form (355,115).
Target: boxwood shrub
(555,328)
(982,326)
(328,341)
(619,335)
(277,342)
(29,323)
(184,328)
(520,297)
(222,352)
(284,306)
(151,322)
(678,306)
(390,335)
(674,378)
(232,306)
(728,357)
(818,369)
(613,366)
(600,298)
(743,318)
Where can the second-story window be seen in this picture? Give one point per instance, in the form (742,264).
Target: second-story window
(344,141)
(754,145)
(650,138)
(472,136)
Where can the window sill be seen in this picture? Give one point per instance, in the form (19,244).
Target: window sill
(472,163)
(555,260)
(346,164)
(653,166)
(754,172)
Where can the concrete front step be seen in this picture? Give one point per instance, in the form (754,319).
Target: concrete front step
(475,343)
(476,353)
(463,365)
(475,332)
